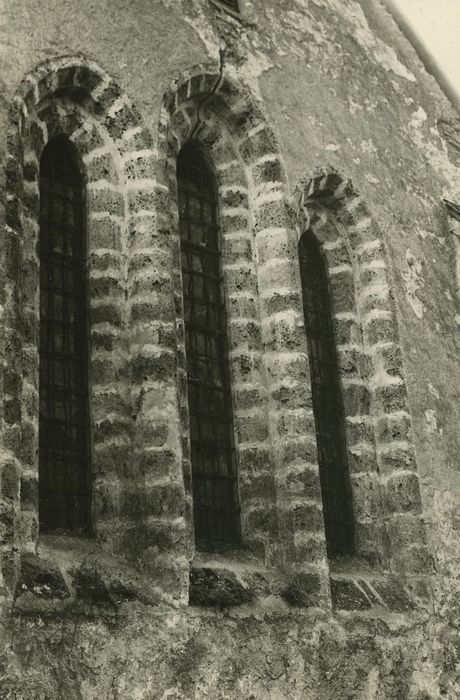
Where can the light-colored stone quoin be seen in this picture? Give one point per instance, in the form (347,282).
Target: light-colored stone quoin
(308,113)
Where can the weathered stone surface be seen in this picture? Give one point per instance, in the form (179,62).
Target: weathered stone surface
(303,590)
(217,588)
(346,595)
(41,577)
(341,87)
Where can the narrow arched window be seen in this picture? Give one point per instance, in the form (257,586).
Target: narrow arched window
(214,473)
(327,399)
(64,426)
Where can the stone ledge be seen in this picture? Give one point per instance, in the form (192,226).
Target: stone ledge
(227,580)
(354,593)
(73,576)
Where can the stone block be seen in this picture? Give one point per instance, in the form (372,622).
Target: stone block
(89,139)
(112,427)
(268,171)
(106,200)
(270,215)
(260,520)
(152,366)
(280,273)
(342,291)
(232,222)
(371,540)
(381,330)
(298,450)
(356,399)
(260,144)
(107,312)
(217,588)
(362,458)
(394,594)
(394,427)
(367,495)
(101,167)
(104,286)
(235,198)
(29,492)
(252,427)
(350,360)
(247,397)
(119,122)
(138,141)
(393,457)
(279,302)
(405,530)
(254,458)
(240,279)
(257,486)
(158,463)
(360,429)
(390,359)
(413,560)
(246,367)
(338,256)
(231,176)
(346,595)
(304,483)
(293,423)
(403,493)
(303,590)
(10,479)
(308,549)
(305,517)
(42,577)
(245,333)
(7,523)
(237,250)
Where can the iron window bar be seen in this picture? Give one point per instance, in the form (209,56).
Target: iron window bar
(64,424)
(327,399)
(213,457)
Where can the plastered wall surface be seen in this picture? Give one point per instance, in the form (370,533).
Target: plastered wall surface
(343,91)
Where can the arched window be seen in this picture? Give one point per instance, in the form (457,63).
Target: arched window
(214,473)
(64,426)
(327,399)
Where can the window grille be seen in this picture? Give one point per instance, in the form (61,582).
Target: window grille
(214,472)
(64,426)
(327,399)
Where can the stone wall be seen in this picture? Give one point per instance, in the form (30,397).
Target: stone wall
(313,114)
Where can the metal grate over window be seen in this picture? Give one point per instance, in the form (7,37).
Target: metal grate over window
(64,430)
(214,472)
(327,399)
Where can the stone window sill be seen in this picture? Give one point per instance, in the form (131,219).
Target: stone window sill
(70,575)
(357,586)
(236,577)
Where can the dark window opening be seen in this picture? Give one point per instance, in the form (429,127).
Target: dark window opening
(327,399)
(64,424)
(214,471)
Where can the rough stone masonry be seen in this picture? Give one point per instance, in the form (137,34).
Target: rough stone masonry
(314,116)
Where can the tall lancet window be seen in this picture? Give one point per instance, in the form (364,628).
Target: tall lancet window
(327,399)
(214,472)
(64,428)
